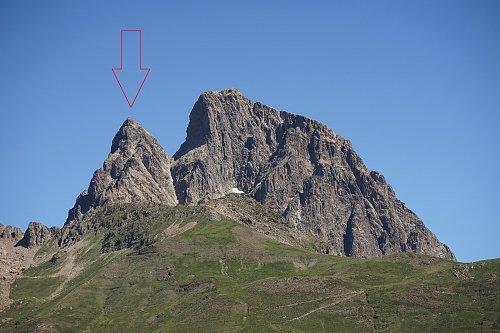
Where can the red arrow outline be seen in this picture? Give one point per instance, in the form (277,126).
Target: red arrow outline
(140,65)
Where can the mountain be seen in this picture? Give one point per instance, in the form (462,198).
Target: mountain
(300,168)
(137,170)
(291,164)
(257,224)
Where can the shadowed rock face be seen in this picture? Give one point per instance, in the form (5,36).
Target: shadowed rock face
(300,168)
(136,170)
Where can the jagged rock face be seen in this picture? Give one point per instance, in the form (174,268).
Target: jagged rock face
(38,234)
(223,149)
(302,169)
(136,170)
(10,233)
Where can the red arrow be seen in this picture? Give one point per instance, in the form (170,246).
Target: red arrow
(141,71)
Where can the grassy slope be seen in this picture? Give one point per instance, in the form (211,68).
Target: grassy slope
(220,276)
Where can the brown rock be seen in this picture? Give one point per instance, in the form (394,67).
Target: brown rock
(10,233)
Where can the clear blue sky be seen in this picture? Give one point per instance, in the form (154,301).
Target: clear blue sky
(415,85)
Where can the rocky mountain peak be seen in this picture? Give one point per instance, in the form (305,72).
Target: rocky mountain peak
(300,168)
(136,170)
(289,163)
(204,119)
(129,133)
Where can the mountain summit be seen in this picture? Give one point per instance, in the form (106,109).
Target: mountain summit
(232,234)
(289,163)
(137,170)
(300,168)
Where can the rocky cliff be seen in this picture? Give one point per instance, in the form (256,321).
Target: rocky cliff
(300,168)
(289,163)
(10,233)
(136,170)
(17,250)
(37,234)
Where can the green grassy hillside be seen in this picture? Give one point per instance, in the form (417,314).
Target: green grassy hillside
(189,269)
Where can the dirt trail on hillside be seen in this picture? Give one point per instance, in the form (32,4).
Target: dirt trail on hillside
(346,298)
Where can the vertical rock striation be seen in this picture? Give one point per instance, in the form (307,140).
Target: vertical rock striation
(302,169)
(136,170)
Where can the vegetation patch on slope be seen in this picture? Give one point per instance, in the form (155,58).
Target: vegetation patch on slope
(219,275)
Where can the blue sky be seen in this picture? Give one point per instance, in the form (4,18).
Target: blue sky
(415,85)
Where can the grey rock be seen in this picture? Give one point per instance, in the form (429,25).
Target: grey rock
(136,170)
(37,234)
(299,168)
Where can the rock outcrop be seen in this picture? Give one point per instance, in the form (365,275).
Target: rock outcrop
(17,250)
(13,260)
(300,168)
(292,164)
(37,234)
(10,233)
(136,170)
